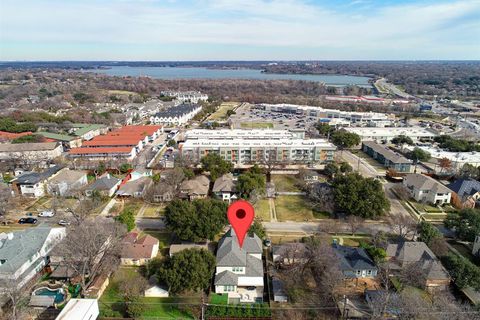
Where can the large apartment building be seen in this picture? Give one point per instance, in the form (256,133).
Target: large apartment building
(243,147)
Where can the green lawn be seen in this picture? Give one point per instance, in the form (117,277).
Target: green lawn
(262,210)
(221,113)
(422,207)
(293,208)
(111,303)
(218,299)
(163,237)
(285,183)
(154,211)
(256,125)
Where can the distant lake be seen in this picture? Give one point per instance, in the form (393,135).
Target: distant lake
(169,73)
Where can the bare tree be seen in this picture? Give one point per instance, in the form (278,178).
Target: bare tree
(85,207)
(402,225)
(5,197)
(402,192)
(92,248)
(354,222)
(413,274)
(321,194)
(17,299)
(174,178)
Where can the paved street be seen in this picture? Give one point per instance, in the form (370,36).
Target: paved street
(323,226)
(358,164)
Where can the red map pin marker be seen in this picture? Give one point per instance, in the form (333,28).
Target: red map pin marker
(240,214)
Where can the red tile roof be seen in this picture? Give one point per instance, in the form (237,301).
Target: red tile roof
(11,136)
(100,150)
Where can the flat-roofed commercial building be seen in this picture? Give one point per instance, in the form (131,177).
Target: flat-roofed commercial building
(254,134)
(373,119)
(243,147)
(387,157)
(387,134)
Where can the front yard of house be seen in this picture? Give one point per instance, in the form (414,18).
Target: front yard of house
(262,209)
(285,183)
(296,208)
(154,211)
(111,304)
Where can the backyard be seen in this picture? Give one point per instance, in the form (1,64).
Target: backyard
(111,304)
(285,183)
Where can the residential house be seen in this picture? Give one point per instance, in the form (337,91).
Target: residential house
(140,173)
(24,253)
(106,185)
(239,271)
(289,253)
(176,248)
(423,188)
(279,292)
(467,190)
(66,182)
(31,153)
(310,176)
(388,158)
(33,184)
(355,262)
(224,188)
(161,192)
(196,188)
(80,309)
(400,255)
(135,188)
(138,250)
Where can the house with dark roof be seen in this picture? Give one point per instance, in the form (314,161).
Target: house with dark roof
(388,158)
(33,184)
(105,185)
(224,188)
(24,253)
(137,250)
(399,255)
(423,188)
(239,271)
(467,190)
(355,262)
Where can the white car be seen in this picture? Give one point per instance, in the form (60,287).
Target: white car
(46,214)
(64,223)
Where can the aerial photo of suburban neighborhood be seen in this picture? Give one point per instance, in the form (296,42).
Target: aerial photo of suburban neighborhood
(134,185)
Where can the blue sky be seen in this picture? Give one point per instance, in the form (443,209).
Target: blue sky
(239,29)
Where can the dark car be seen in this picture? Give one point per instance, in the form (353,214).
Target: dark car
(27,220)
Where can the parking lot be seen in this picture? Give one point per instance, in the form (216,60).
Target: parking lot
(247,116)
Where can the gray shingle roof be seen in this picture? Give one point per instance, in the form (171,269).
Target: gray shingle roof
(35,177)
(224,184)
(104,183)
(405,253)
(386,152)
(14,252)
(177,111)
(198,185)
(226,278)
(229,252)
(21,147)
(353,258)
(422,182)
(465,187)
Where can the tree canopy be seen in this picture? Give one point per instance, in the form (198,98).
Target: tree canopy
(127,217)
(419,155)
(190,269)
(258,229)
(9,125)
(360,196)
(428,232)
(197,220)
(456,145)
(248,182)
(402,139)
(344,139)
(214,164)
(463,272)
(466,223)
(324,128)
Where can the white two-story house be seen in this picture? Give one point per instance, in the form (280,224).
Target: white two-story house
(224,188)
(239,271)
(24,253)
(426,189)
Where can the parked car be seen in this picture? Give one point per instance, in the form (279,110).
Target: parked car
(64,223)
(27,220)
(46,214)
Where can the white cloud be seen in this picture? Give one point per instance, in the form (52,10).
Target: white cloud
(277,23)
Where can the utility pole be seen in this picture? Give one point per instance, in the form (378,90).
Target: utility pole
(203,306)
